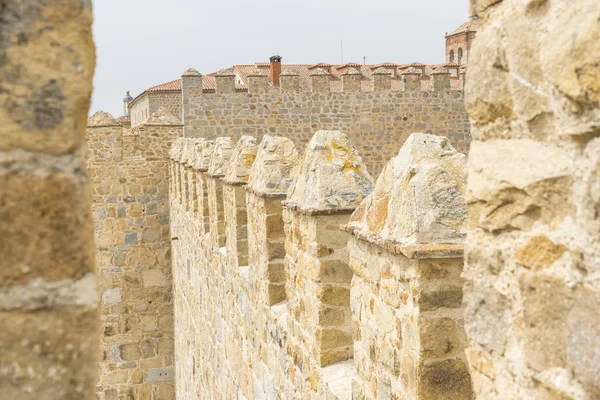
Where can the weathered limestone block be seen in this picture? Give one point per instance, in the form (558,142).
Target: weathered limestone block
(406,293)
(440,78)
(48,289)
(258,81)
(270,177)
(532,252)
(382,79)
(332,181)
(225,81)
(351,79)
(289,82)
(320,81)
(411,79)
(234,200)
(430,207)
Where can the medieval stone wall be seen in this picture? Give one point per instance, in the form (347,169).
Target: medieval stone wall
(533,250)
(48,291)
(129,174)
(274,299)
(378,122)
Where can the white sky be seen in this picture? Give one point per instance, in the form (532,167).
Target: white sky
(141,43)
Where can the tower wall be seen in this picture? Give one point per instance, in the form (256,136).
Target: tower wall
(129,175)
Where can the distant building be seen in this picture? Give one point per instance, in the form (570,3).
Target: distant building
(168,95)
(458,42)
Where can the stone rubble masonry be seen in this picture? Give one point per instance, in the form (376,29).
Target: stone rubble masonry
(128,170)
(532,291)
(314,311)
(377,121)
(48,290)
(406,255)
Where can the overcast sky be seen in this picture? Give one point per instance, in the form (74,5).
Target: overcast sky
(141,43)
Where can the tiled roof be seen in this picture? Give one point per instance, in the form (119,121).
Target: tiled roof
(304,71)
(472,25)
(385,64)
(167,86)
(319,65)
(124,120)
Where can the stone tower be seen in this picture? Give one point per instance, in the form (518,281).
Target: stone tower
(459,42)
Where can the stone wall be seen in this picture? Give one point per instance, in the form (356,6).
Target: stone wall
(533,248)
(48,292)
(129,174)
(273,299)
(378,122)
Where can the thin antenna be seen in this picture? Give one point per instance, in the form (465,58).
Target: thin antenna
(342,49)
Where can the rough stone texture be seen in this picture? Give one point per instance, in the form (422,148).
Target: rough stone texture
(271,174)
(376,122)
(332,181)
(532,290)
(268,307)
(238,170)
(128,171)
(418,198)
(406,305)
(332,177)
(48,291)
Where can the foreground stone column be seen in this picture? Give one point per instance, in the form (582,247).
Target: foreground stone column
(406,254)
(332,181)
(532,256)
(48,294)
(270,177)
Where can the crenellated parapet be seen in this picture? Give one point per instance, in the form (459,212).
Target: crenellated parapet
(376,109)
(309,280)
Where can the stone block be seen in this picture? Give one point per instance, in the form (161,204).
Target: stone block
(130,352)
(433,296)
(439,337)
(160,374)
(448,380)
(334,295)
(63,340)
(334,271)
(563,319)
(45,228)
(46,108)
(155,277)
(330,338)
(111,296)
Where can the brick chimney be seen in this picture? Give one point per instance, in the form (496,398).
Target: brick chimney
(275,69)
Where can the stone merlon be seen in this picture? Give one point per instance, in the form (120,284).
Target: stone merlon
(418,199)
(332,177)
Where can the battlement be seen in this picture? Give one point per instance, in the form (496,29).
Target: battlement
(321,80)
(378,120)
(301,276)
